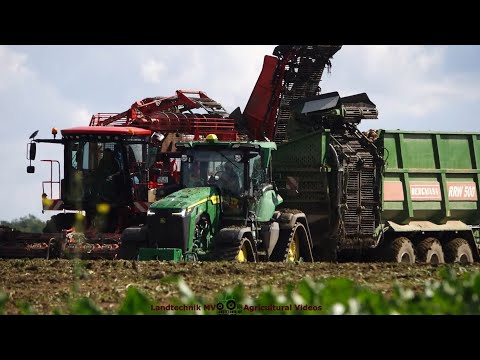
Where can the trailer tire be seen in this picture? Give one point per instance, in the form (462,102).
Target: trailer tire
(458,251)
(430,251)
(400,250)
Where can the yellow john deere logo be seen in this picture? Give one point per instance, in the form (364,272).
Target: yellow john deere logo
(215,199)
(163,220)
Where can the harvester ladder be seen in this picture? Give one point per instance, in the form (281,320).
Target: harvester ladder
(51,182)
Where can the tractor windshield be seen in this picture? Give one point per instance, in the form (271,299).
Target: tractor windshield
(223,168)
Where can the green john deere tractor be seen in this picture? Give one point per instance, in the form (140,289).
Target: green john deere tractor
(225,211)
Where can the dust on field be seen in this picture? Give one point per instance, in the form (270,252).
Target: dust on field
(51,284)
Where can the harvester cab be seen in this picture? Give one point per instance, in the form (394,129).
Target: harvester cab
(226,209)
(111,175)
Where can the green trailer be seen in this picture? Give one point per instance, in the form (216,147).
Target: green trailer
(385,195)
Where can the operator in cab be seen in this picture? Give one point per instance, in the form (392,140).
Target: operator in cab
(229,181)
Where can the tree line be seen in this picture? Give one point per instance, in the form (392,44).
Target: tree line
(29,223)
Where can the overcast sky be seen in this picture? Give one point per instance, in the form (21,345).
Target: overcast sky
(414,88)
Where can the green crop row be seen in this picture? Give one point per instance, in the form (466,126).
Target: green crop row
(453,294)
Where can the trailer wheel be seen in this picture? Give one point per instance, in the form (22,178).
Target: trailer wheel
(400,250)
(458,250)
(430,251)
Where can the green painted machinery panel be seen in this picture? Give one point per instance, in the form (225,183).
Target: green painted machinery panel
(432,176)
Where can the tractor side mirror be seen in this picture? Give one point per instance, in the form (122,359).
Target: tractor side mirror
(30,169)
(32,151)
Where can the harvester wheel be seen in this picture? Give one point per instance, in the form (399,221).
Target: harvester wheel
(430,251)
(400,250)
(56,247)
(292,245)
(458,250)
(59,222)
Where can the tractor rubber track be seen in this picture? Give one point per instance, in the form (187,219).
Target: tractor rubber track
(226,252)
(280,252)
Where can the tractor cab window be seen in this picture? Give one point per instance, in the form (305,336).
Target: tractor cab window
(222,168)
(258,175)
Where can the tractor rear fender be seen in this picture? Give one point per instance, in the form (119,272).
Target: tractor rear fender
(270,234)
(287,220)
(230,235)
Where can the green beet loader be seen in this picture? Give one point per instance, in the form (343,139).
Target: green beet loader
(226,210)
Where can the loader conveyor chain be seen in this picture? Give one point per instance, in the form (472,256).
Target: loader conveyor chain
(302,77)
(360,193)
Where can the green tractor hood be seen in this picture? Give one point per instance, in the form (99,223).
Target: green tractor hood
(188,198)
(172,223)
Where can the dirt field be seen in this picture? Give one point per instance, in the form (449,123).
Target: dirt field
(49,284)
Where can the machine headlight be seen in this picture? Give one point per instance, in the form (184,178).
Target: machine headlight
(181,213)
(150,212)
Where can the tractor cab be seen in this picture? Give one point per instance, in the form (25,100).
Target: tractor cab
(239,170)
(226,194)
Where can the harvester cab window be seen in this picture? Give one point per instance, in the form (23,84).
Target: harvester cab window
(109,156)
(74,163)
(137,162)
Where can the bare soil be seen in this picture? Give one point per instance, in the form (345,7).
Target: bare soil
(50,284)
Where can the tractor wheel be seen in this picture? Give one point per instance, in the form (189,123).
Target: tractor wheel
(246,253)
(458,250)
(400,250)
(430,251)
(133,238)
(241,251)
(292,245)
(127,252)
